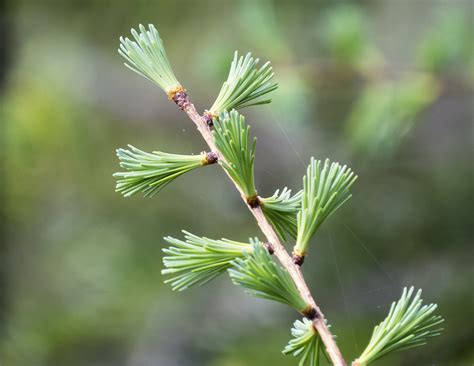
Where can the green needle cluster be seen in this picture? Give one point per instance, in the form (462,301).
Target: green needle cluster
(150,172)
(245,85)
(408,324)
(306,343)
(147,57)
(262,277)
(197,260)
(325,189)
(232,138)
(281,210)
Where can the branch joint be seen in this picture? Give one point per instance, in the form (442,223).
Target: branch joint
(254,201)
(270,247)
(208,116)
(310,312)
(209,158)
(180,97)
(298,258)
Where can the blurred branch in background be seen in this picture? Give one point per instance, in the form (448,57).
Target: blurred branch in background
(388,105)
(387,111)
(346,32)
(447,49)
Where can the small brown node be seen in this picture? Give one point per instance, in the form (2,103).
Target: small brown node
(310,313)
(180,97)
(253,201)
(270,247)
(208,117)
(298,259)
(210,158)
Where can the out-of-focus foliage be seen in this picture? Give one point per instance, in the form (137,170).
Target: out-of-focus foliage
(449,45)
(82,265)
(387,108)
(346,34)
(387,111)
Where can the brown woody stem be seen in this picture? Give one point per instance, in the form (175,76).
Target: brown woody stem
(312,312)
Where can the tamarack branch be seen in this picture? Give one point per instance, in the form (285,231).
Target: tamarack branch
(326,187)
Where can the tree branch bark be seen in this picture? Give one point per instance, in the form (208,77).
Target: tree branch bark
(285,259)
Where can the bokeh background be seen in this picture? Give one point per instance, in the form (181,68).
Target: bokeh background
(385,86)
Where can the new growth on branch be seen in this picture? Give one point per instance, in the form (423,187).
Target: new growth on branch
(282,217)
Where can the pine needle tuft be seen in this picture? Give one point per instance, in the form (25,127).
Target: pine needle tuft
(281,210)
(305,344)
(325,189)
(151,172)
(244,85)
(408,324)
(262,277)
(197,260)
(147,57)
(232,138)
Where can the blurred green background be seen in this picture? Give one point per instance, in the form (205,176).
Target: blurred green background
(385,86)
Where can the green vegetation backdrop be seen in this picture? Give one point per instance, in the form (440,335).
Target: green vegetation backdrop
(384,86)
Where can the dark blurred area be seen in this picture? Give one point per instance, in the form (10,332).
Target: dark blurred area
(384,86)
